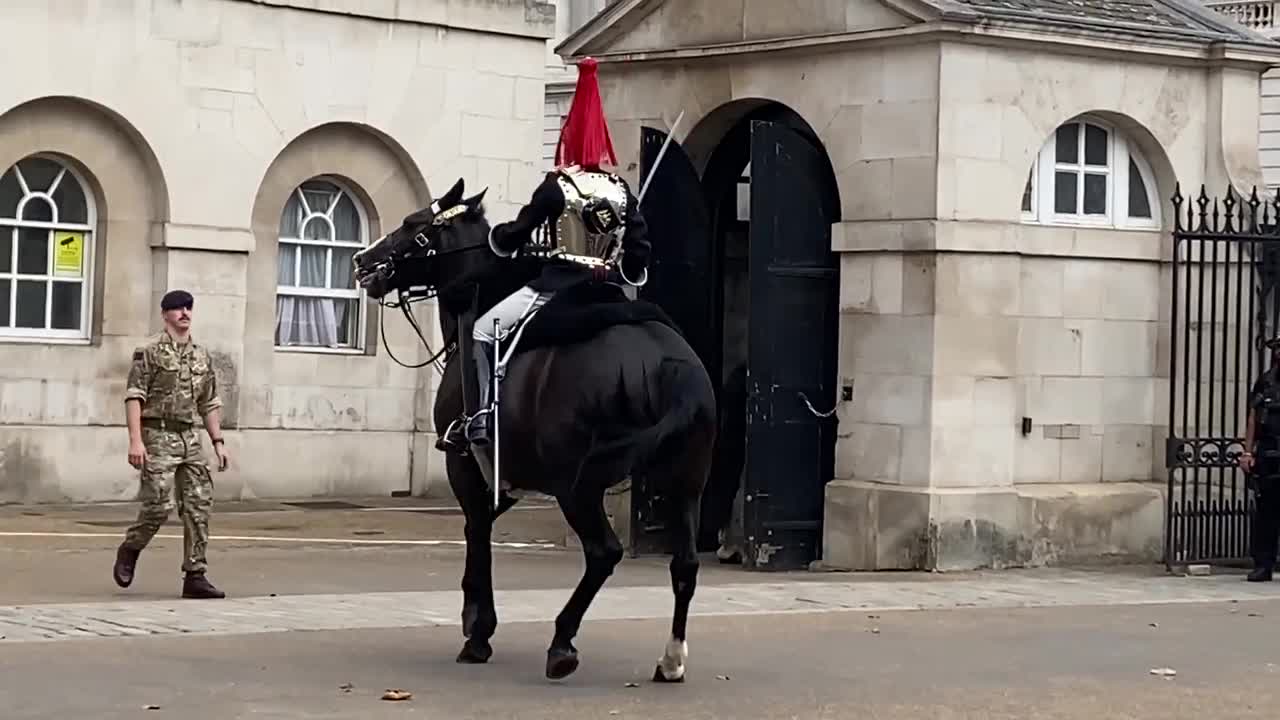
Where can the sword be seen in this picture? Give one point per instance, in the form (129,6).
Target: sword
(658,161)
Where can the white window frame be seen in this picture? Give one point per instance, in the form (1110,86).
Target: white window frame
(358,348)
(1119,151)
(83,335)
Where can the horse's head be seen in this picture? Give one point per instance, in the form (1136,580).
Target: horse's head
(430,248)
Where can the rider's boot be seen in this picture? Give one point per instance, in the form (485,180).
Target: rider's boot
(471,427)
(480,422)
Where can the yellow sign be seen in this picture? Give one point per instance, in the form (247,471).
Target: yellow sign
(68,254)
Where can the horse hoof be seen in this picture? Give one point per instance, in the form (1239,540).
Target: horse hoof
(474,654)
(561,663)
(660,677)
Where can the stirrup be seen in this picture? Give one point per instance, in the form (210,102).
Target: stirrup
(469,428)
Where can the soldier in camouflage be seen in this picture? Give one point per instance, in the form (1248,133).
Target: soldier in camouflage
(171,381)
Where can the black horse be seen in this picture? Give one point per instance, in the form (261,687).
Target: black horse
(582,408)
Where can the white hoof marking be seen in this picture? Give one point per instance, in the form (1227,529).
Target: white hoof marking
(672,662)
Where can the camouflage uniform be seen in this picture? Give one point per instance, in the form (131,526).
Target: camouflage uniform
(176,384)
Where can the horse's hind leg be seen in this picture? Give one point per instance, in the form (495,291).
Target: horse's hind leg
(685,476)
(683,527)
(600,545)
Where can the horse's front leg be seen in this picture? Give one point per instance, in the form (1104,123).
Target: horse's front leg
(600,545)
(479,613)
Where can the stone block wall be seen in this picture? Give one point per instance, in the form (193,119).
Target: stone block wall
(191,123)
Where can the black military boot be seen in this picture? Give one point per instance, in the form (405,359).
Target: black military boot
(196,586)
(126,561)
(1260,574)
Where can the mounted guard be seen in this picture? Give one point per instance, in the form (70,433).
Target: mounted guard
(583,221)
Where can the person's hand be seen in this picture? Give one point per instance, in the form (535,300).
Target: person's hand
(224,459)
(137,454)
(1246,462)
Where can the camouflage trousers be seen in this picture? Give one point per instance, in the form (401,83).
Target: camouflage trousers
(175,468)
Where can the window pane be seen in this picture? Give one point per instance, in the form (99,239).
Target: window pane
(343,277)
(285,268)
(1064,192)
(315,322)
(5,289)
(291,218)
(1095,145)
(39,173)
(66,306)
(1026,193)
(30,310)
(345,312)
(317,229)
(1139,203)
(72,207)
(1095,194)
(314,267)
(6,249)
(319,196)
(33,251)
(346,220)
(1068,150)
(37,210)
(10,194)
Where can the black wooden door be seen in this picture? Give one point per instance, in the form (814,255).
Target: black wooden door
(792,349)
(679,281)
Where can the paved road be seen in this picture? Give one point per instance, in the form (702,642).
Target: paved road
(1084,663)
(327,608)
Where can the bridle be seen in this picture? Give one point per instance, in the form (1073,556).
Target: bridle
(405,298)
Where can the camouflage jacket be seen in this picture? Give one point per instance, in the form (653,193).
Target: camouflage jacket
(174,382)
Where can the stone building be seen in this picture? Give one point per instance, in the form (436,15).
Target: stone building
(973,197)
(243,150)
(1263,17)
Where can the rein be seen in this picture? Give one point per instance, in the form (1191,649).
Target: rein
(406,299)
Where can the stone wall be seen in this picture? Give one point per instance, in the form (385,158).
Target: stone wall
(191,124)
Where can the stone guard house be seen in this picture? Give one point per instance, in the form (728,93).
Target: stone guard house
(1002,173)
(243,150)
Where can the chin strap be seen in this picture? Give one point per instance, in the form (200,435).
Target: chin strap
(644,277)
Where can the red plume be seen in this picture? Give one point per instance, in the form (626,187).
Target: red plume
(584,140)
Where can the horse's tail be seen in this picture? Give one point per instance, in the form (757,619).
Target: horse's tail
(686,390)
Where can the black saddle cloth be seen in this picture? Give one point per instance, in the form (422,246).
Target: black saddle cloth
(580,312)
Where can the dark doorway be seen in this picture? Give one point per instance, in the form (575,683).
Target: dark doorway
(743,250)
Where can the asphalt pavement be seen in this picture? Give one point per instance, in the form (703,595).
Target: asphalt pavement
(330,606)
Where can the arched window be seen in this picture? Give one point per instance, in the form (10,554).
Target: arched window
(318,304)
(46,251)
(1090,174)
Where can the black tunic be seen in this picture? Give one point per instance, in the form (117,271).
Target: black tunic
(547,203)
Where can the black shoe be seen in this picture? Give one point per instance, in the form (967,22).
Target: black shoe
(197,587)
(1262,574)
(126,561)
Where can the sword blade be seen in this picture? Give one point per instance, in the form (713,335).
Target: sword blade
(658,161)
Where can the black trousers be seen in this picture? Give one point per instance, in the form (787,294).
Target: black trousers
(1266,517)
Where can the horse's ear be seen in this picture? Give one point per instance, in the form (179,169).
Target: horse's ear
(474,201)
(454,196)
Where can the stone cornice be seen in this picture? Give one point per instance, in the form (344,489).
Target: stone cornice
(1079,42)
(534,19)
